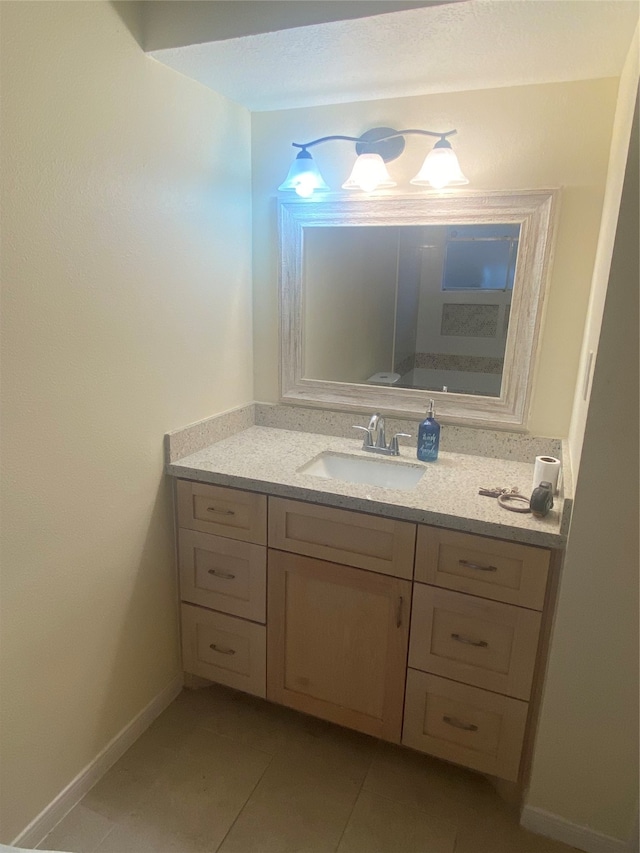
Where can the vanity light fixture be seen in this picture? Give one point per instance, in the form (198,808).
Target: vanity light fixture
(375,148)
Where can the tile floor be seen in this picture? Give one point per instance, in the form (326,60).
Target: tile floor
(222,771)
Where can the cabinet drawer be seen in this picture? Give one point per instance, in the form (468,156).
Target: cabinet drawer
(224,649)
(223,574)
(490,568)
(221,511)
(342,536)
(479,642)
(465,725)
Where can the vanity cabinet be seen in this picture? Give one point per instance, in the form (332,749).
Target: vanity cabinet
(412,633)
(337,642)
(222,561)
(472,656)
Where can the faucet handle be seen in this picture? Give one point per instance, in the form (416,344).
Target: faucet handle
(393,445)
(368,439)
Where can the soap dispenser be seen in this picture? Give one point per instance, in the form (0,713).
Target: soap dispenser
(429,437)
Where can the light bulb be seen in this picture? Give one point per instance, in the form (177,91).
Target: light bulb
(305,186)
(441,168)
(369,173)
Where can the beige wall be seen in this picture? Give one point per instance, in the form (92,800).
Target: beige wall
(349,305)
(126,312)
(586,756)
(627,93)
(522,137)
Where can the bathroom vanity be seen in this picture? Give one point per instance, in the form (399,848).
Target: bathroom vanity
(418,615)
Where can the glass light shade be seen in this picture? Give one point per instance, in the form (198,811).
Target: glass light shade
(440,169)
(369,173)
(304,176)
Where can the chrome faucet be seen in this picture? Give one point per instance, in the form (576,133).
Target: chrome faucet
(376,422)
(375,440)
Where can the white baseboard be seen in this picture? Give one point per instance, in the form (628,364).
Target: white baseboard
(553,826)
(70,796)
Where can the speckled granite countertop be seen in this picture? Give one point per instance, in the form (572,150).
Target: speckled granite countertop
(267,460)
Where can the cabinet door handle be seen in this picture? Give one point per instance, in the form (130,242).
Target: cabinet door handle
(221,650)
(399,612)
(220,511)
(481,644)
(477,566)
(457,724)
(226,576)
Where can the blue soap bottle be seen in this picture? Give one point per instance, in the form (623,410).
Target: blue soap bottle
(429,437)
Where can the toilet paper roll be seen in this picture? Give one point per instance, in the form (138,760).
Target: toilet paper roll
(546,468)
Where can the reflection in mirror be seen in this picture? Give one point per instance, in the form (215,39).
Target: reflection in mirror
(386,302)
(409,306)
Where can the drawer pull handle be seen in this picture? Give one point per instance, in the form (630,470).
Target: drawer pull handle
(226,576)
(477,566)
(481,644)
(220,511)
(399,612)
(222,650)
(457,724)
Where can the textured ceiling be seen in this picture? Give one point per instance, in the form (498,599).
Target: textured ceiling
(476,44)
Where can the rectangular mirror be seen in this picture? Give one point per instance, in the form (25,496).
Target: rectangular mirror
(387,302)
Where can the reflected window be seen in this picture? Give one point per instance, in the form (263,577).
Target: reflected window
(480,257)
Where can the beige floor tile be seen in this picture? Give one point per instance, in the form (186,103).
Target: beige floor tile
(430,785)
(130,779)
(500,832)
(182,715)
(219,766)
(148,839)
(81,831)
(330,748)
(246,719)
(197,796)
(281,731)
(379,825)
(296,807)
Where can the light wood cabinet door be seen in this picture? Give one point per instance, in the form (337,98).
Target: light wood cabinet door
(343,536)
(491,568)
(465,725)
(337,642)
(479,642)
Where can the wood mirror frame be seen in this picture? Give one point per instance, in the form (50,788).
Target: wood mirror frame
(534,210)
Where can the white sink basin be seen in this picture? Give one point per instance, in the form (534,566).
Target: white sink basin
(387,473)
